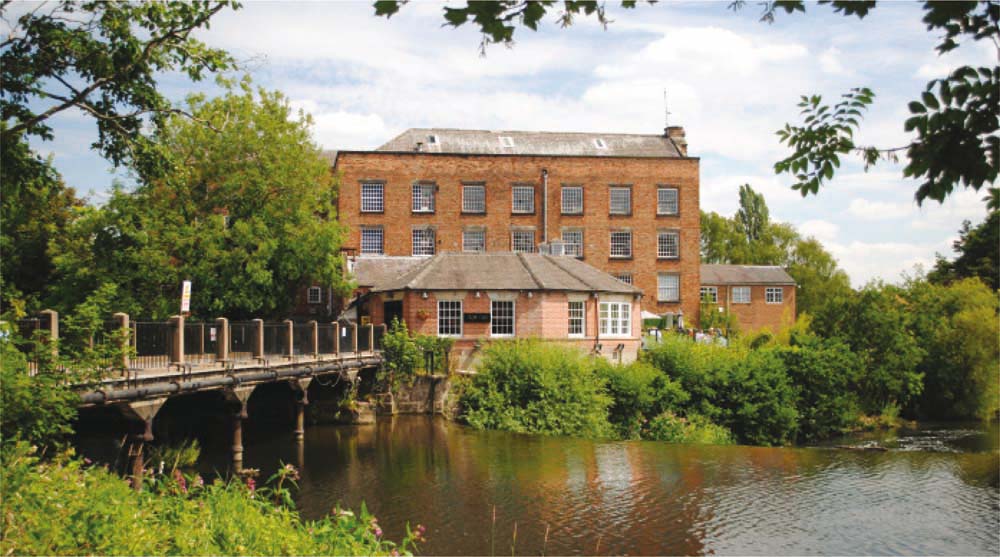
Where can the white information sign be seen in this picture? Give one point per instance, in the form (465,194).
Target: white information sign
(186,297)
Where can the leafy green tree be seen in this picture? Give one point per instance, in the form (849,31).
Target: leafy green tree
(752,215)
(247,213)
(103,58)
(639,393)
(35,206)
(958,326)
(956,117)
(817,274)
(823,373)
(875,323)
(978,252)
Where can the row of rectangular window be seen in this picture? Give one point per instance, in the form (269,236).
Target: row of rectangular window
(741,295)
(522,199)
(522,241)
(614,318)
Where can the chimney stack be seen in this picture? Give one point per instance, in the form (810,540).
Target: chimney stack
(676,134)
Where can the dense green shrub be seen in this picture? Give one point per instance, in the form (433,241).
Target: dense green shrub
(639,392)
(822,372)
(65,508)
(693,428)
(533,387)
(875,323)
(746,391)
(958,327)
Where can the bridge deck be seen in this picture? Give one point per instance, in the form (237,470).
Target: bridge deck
(152,382)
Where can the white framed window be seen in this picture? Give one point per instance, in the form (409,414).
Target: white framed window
(741,295)
(620,201)
(522,241)
(449,318)
(667,244)
(621,243)
(573,238)
(372,197)
(625,277)
(423,198)
(666,201)
(615,319)
(506,141)
(572,200)
(523,199)
(576,319)
(315,295)
(371,240)
(423,241)
(474,240)
(710,294)
(774,295)
(668,287)
(473,199)
(502,318)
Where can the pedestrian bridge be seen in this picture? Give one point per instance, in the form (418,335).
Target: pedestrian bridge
(149,362)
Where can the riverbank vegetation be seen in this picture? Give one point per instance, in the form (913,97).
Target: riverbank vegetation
(867,359)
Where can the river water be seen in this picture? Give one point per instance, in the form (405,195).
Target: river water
(934,492)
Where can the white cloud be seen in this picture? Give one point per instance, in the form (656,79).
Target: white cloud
(822,230)
(829,62)
(864,261)
(879,210)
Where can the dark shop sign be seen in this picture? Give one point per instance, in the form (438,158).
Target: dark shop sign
(476,317)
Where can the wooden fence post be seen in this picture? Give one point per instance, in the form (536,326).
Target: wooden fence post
(354,333)
(177,347)
(222,339)
(290,332)
(336,339)
(314,334)
(53,316)
(258,339)
(123,332)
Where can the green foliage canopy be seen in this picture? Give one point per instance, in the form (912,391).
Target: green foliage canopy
(247,213)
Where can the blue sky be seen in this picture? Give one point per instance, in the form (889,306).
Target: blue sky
(731,82)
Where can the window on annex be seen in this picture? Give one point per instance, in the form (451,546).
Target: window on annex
(709,294)
(523,199)
(371,240)
(741,295)
(624,276)
(449,318)
(621,243)
(423,198)
(666,201)
(615,319)
(315,295)
(573,238)
(522,241)
(668,287)
(423,241)
(502,318)
(576,319)
(620,201)
(474,199)
(372,197)
(774,295)
(572,200)
(667,244)
(474,240)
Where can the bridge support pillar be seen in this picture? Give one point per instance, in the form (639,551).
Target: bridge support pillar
(239,396)
(143,411)
(300,387)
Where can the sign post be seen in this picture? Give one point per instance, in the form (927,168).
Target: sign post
(186,298)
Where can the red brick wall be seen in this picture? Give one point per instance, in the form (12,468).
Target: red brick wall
(543,315)
(759,314)
(499,173)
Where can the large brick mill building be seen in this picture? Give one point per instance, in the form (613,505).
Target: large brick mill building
(626,204)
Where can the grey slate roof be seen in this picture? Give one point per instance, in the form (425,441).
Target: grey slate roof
(744,275)
(488,142)
(375,271)
(503,271)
